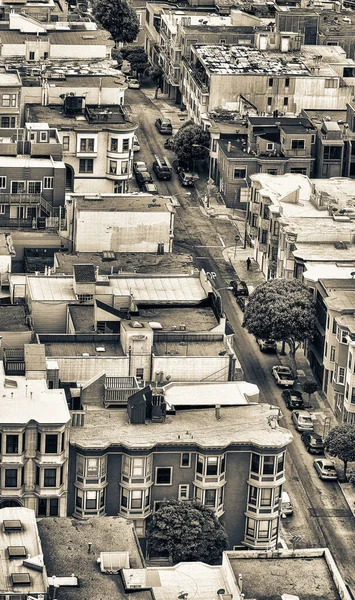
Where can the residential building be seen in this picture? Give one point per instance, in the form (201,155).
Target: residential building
(119,223)
(32,175)
(232,461)
(35,435)
(7,251)
(49,11)
(97,143)
(23,572)
(291,209)
(10,98)
(245,78)
(273,145)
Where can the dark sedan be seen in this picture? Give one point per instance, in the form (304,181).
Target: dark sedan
(293,399)
(313,442)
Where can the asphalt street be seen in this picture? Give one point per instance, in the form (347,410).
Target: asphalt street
(321,514)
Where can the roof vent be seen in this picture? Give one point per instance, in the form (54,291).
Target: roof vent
(341,245)
(12,525)
(20,579)
(136,325)
(16,552)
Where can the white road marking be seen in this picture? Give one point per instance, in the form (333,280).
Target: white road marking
(222,242)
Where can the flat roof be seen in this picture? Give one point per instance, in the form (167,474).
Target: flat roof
(83,317)
(69,554)
(242,425)
(319,225)
(69,349)
(279,189)
(54,115)
(27,538)
(136,202)
(9,79)
(324,252)
(210,393)
(13,318)
(84,37)
(191,348)
(307,577)
(24,400)
(199,318)
(317,271)
(51,288)
(30,162)
(179,288)
(340,189)
(138,262)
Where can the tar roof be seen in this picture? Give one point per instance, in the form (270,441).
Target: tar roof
(265,578)
(26,538)
(192,348)
(24,400)
(54,115)
(99,349)
(84,273)
(324,251)
(70,555)
(241,425)
(13,318)
(193,319)
(122,203)
(82,317)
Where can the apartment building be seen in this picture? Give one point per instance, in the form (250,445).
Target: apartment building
(34,435)
(32,175)
(10,98)
(288,216)
(232,461)
(97,143)
(119,223)
(49,11)
(248,79)
(272,145)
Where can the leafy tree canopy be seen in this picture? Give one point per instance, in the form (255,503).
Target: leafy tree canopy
(138,60)
(340,442)
(119,18)
(281,309)
(155,73)
(191,143)
(309,387)
(187,531)
(117,55)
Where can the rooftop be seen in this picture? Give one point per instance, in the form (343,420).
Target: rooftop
(137,202)
(340,190)
(302,575)
(191,348)
(70,555)
(75,38)
(195,319)
(284,190)
(340,298)
(83,317)
(319,270)
(210,393)
(139,262)
(88,349)
(84,273)
(241,425)
(54,115)
(9,79)
(326,252)
(24,400)
(13,318)
(26,539)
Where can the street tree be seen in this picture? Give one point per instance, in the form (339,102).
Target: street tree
(138,60)
(187,531)
(156,74)
(191,143)
(116,55)
(340,442)
(119,18)
(281,310)
(309,387)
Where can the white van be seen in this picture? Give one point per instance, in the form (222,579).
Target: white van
(286,505)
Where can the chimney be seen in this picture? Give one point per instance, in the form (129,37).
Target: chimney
(229,146)
(218,412)
(96,272)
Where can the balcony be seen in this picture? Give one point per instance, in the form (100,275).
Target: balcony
(274,240)
(14,361)
(35,200)
(118,389)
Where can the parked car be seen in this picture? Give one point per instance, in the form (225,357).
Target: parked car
(134,84)
(139,166)
(143,177)
(136,144)
(149,187)
(293,399)
(286,504)
(162,167)
(302,420)
(240,288)
(283,375)
(325,468)
(164,126)
(185,177)
(313,442)
(242,302)
(267,345)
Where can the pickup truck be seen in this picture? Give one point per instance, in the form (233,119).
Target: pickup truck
(283,376)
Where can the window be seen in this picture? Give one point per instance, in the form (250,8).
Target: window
(48,183)
(251,527)
(38,472)
(287,82)
(43,136)
(92,467)
(299,170)
(51,446)
(263,236)
(113,167)
(239,173)
(269,146)
(18,187)
(297,144)
(138,467)
(86,165)
(332,152)
(331,83)
(185,460)
(255,463)
(268,466)
(125,145)
(272,171)
(280,463)
(8,122)
(214,145)
(269,101)
(10,478)
(79,498)
(163,476)
(199,466)
(183,491)
(253,495)
(34,187)
(50,477)
(87,145)
(350,361)
(313,138)
(271,82)
(114,145)
(124,167)
(136,499)
(124,498)
(66,142)
(339,400)
(285,101)
(210,498)
(9,100)
(31,56)
(263,529)
(332,354)
(118,187)
(53,507)
(3,183)
(91,500)
(212,464)
(266,495)
(80,465)
(12,444)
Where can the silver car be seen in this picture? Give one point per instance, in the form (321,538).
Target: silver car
(302,420)
(325,468)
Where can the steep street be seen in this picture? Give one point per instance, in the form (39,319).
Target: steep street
(321,515)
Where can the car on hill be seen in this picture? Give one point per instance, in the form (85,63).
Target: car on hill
(302,420)
(293,399)
(283,375)
(267,345)
(164,126)
(143,177)
(239,288)
(313,442)
(133,84)
(139,166)
(149,187)
(325,469)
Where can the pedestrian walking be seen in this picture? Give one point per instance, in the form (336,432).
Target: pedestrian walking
(248,263)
